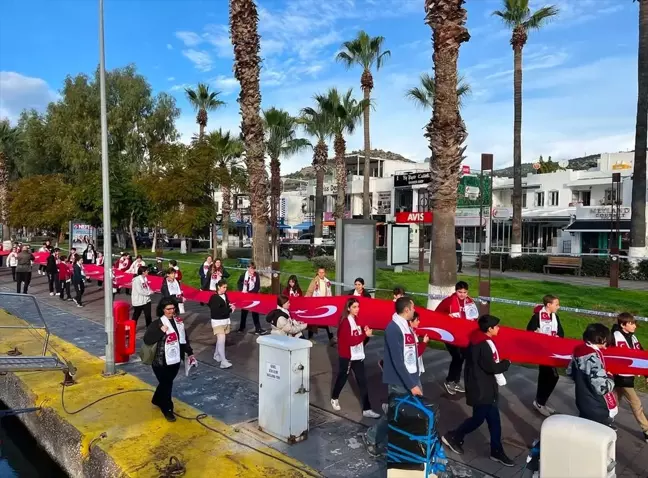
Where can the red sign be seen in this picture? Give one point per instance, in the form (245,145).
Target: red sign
(465,169)
(413,217)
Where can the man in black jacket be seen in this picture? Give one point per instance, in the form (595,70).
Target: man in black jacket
(250,282)
(483,371)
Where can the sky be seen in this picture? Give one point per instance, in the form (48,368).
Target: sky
(580,71)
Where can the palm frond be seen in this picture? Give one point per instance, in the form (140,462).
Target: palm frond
(540,17)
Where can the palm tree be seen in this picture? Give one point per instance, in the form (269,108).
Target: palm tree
(518,17)
(227,151)
(344,112)
(244,23)
(365,51)
(9,143)
(638,218)
(423,95)
(317,123)
(281,140)
(203,101)
(446,133)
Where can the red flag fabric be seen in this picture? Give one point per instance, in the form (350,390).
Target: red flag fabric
(517,345)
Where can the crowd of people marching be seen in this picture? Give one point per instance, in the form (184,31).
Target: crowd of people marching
(597,393)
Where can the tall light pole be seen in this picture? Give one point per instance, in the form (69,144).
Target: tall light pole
(105,187)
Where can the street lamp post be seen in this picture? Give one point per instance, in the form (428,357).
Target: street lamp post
(615,226)
(485,285)
(105,186)
(423,206)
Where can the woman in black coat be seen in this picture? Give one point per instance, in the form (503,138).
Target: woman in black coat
(171,288)
(172,344)
(359,290)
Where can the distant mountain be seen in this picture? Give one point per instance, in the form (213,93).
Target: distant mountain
(577,164)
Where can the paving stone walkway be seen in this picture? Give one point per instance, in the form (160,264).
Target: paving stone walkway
(334,446)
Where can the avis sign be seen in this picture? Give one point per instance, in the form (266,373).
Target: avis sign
(414,217)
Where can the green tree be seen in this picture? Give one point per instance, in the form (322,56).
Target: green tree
(446,133)
(423,95)
(227,152)
(203,101)
(244,30)
(365,51)
(39,153)
(319,125)
(548,166)
(638,218)
(9,151)
(517,15)
(281,141)
(27,197)
(344,112)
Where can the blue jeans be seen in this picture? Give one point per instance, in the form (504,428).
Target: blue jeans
(481,413)
(377,434)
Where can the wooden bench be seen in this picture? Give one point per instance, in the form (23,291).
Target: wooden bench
(564,262)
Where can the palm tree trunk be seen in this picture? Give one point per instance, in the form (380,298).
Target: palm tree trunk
(516,234)
(446,133)
(340,173)
(275,192)
(319,159)
(227,208)
(638,219)
(244,20)
(366,202)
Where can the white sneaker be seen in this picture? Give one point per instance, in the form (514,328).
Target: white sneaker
(225,364)
(336,405)
(543,409)
(385,408)
(370,414)
(52,293)
(217,358)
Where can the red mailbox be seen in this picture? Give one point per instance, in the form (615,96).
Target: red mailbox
(125,332)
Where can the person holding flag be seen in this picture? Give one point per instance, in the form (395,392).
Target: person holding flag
(459,306)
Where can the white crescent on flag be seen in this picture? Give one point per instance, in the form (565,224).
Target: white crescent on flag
(330,310)
(254,303)
(636,362)
(444,334)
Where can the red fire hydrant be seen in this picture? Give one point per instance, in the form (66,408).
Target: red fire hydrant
(125,332)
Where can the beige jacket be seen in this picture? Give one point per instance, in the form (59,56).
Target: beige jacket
(312,286)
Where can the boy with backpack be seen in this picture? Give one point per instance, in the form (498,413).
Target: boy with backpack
(623,333)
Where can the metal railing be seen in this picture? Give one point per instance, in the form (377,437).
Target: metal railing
(27,326)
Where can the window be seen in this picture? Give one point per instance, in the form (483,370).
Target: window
(524,200)
(553,198)
(539,199)
(585,197)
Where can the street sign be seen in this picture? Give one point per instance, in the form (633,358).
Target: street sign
(465,169)
(414,217)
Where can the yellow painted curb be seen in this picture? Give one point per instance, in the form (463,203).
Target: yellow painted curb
(137,437)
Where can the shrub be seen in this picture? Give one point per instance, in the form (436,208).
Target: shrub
(641,273)
(239,252)
(381,254)
(324,261)
(527,263)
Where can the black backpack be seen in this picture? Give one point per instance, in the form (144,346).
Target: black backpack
(273,317)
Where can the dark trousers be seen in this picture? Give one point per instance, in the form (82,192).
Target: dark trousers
(64,288)
(13,273)
(459,261)
(137,311)
(52,280)
(457,354)
(162,396)
(489,413)
(79,289)
(547,380)
(23,278)
(346,365)
(312,330)
(255,319)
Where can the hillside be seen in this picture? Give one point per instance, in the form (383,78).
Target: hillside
(577,164)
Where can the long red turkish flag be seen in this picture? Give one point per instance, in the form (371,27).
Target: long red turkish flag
(514,344)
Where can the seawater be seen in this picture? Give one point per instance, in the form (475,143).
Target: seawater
(20,454)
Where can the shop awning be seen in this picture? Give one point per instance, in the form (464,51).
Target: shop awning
(328,223)
(548,214)
(598,226)
(303,226)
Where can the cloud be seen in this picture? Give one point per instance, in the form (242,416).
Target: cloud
(179,87)
(201,59)
(19,92)
(190,39)
(169,46)
(171,78)
(226,84)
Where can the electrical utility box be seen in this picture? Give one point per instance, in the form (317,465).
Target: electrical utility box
(284,387)
(573,447)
